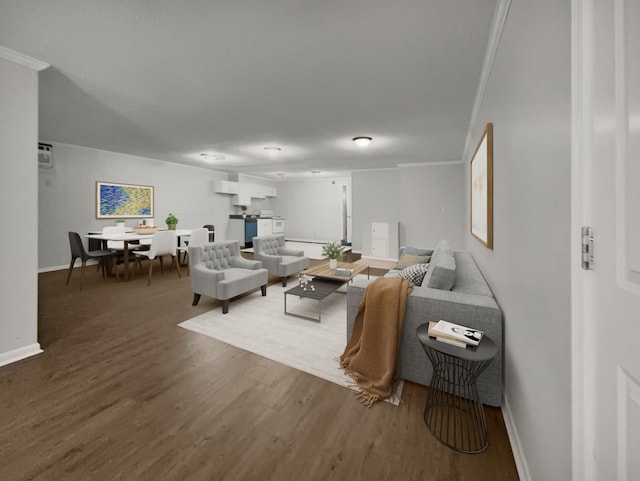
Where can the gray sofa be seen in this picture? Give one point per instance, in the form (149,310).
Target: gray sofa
(219,271)
(470,302)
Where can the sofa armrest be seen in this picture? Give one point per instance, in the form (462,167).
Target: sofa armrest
(286,251)
(243,263)
(205,280)
(269,261)
(426,304)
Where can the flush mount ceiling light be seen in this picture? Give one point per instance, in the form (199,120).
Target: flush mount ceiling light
(272,151)
(281,174)
(212,156)
(362,141)
(316,172)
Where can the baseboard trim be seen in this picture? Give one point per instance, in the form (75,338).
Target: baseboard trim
(19,354)
(516,446)
(390,259)
(90,262)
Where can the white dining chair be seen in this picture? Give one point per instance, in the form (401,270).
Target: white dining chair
(117,246)
(164,242)
(198,237)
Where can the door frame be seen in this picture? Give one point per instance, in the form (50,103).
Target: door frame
(581,157)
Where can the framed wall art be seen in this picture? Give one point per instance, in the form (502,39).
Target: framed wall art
(482,189)
(125,201)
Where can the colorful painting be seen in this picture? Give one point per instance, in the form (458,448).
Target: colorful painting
(123,201)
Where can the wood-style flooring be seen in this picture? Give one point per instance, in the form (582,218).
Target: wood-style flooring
(122,393)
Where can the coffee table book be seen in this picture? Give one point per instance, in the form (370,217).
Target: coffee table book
(443,337)
(456,331)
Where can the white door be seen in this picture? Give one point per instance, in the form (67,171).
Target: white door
(606,196)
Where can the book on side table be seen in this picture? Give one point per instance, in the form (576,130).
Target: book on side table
(454,334)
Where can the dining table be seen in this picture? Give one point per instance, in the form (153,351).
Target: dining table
(128,237)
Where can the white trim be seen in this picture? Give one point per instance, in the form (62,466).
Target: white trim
(51,269)
(374,169)
(20,353)
(391,259)
(432,164)
(21,59)
(622,116)
(581,152)
(516,446)
(497,27)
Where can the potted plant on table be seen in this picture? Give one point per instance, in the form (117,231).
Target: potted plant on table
(333,250)
(171,221)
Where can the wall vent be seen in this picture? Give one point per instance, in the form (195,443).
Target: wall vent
(45,156)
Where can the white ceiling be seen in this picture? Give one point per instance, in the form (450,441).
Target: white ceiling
(169,80)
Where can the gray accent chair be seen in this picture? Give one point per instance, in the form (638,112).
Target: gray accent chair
(468,302)
(280,260)
(218,270)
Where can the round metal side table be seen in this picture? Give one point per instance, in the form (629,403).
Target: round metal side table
(453,411)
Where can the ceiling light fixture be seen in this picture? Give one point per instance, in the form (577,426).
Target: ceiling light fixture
(362,141)
(316,172)
(272,151)
(281,174)
(213,156)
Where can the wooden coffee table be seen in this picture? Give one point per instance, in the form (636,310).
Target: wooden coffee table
(323,271)
(322,283)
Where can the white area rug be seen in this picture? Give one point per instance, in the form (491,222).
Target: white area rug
(311,250)
(258,324)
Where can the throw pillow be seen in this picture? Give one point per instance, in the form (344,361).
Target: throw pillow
(441,273)
(415,273)
(410,259)
(414,251)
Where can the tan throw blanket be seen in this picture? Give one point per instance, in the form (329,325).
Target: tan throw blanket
(371,357)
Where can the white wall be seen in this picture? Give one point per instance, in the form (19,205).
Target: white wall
(528,100)
(428,202)
(376,198)
(67,199)
(18,198)
(312,208)
(432,204)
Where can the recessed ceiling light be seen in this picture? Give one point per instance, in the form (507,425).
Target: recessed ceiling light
(316,172)
(281,174)
(362,141)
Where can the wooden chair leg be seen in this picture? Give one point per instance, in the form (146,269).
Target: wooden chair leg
(73,261)
(84,264)
(150,271)
(161,266)
(175,260)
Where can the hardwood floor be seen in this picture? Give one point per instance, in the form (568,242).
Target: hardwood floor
(122,393)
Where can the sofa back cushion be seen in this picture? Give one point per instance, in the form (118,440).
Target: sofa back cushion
(442,247)
(215,255)
(441,273)
(267,244)
(469,279)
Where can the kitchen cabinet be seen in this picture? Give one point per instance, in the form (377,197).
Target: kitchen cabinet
(380,239)
(225,187)
(265,227)
(247,191)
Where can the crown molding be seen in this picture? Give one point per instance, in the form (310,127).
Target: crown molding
(497,27)
(431,164)
(22,59)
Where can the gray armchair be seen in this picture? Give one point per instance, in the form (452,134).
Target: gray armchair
(277,258)
(219,271)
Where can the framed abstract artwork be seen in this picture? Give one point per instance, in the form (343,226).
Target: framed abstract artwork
(124,201)
(482,189)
